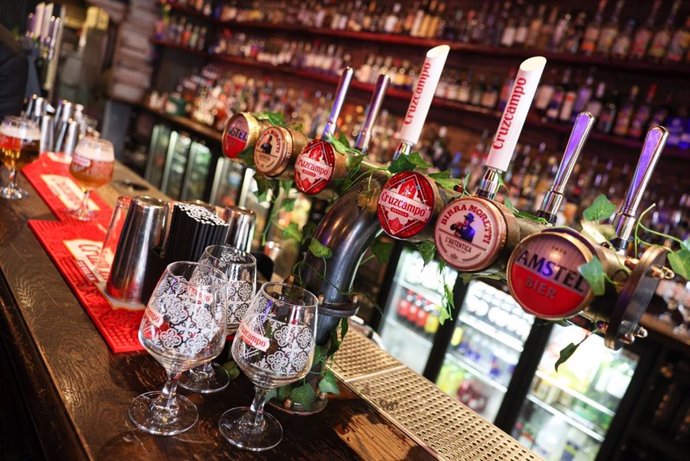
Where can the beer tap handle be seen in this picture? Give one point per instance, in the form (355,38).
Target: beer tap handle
(364,136)
(554,196)
(626,216)
(338,101)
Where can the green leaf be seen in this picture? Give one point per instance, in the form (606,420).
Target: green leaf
(353,162)
(288,204)
(292,232)
(565,353)
(247,156)
(308,231)
(444,180)
(597,232)
(600,209)
(274,118)
(263,185)
(593,272)
(686,244)
(344,141)
(466,277)
(680,262)
(341,144)
(382,250)
(408,163)
(441,266)
(448,304)
(344,326)
(329,384)
(522,214)
(284,392)
(304,395)
(466,183)
(334,343)
(427,250)
(286,185)
(319,250)
(232,369)
(320,354)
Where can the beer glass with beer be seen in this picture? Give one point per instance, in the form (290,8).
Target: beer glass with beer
(92,167)
(18,147)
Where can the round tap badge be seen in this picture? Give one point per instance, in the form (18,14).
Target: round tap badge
(406,204)
(314,167)
(272,151)
(543,275)
(470,233)
(236,136)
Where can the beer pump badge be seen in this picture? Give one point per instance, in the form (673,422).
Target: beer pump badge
(543,276)
(272,150)
(470,234)
(406,204)
(236,136)
(314,167)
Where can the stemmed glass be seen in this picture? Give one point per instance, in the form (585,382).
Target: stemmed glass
(183,326)
(240,269)
(19,138)
(92,166)
(274,346)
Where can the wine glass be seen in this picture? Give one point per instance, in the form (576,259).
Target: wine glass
(274,346)
(92,166)
(240,269)
(183,326)
(19,139)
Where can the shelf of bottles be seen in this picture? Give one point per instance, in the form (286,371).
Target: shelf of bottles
(570,411)
(484,349)
(563,36)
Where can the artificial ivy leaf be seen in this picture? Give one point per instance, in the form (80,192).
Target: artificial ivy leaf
(284,392)
(441,266)
(680,262)
(319,250)
(565,354)
(292,232)
(353,162)
(304,395)
(344,326)
(328,384)
(686,244)
(466,183)
(274,118)
(288,204)
(466,277)
(247,156)
(286,185)
(600,209)
(408,163)
(522,214)
(382,250)
(593,272)
(232,369)
(272,394)
(427,250)
(597,232)
(448,305)
(263,185)
(320,354)
(308,231)
(343,140)
(444,180)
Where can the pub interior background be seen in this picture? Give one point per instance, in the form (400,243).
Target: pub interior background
(160,79)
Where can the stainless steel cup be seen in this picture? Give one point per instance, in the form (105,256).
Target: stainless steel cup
(47,131)
(143,229)
(242,223)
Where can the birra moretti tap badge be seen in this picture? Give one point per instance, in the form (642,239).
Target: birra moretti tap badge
(543,275)
(271,150)
(405,205)
(469,234)
(314,167)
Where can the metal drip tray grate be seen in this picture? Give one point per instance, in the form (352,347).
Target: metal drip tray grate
(420,408)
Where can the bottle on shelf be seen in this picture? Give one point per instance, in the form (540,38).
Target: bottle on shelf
(610,30)
(662,38)
(640,120)
(607,115)
(644,34)
(680,43)
(623,42)
(625,113)
(593,30)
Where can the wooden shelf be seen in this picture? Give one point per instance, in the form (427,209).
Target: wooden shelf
(680,71)
(186,123)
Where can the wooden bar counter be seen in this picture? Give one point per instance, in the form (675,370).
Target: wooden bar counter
(73,393)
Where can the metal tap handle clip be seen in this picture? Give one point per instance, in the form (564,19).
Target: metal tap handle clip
(364,136)
(338,101)
(627,215)
(578,137)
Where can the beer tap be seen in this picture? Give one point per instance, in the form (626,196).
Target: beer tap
(543,269)
(410,201)
(319,164)
(241,132)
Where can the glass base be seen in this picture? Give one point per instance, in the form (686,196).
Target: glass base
(197,380)
(82,215)
(236,427)
(13,193)
(157,420)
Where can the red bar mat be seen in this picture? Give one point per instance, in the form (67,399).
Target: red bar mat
(74,249)
(51,179)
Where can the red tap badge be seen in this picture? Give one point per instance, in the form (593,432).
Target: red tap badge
(314,167)
(236,136)
(406,204)
(543,275)
(470,233)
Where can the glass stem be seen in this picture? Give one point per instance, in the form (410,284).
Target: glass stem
(84,205)
(167,398)
(257,408)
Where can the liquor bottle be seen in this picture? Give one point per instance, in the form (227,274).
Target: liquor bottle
(621,46)
(610,30)
(680,42)
(573,35)
(509,29)
(505,89)
(661,112)
(644,34)
(465,88)
(490,95)
(569,98)
(560,30)
(522,29)
(640,120)
(662,38)
(554,107)
(625,113)
(608,112)
(477,90)
(545,92)
(593,30)
(584,95)
(547,30)
(535,26)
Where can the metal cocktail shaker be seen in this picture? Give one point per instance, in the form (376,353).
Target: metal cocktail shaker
(143,229)
(242,222)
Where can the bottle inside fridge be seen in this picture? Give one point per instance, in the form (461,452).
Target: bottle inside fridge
(567,412)
(411,316)
(484,349)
